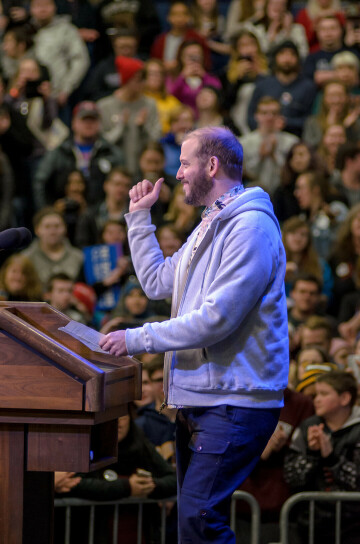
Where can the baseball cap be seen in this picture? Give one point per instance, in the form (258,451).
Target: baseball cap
(86,109)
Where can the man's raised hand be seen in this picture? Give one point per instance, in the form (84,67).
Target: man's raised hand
(144,194)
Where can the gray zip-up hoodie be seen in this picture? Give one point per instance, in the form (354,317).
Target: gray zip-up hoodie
(229,332)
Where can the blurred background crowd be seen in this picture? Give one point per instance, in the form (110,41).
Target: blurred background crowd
(95,96)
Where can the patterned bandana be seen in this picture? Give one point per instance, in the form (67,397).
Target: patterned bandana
(211,211)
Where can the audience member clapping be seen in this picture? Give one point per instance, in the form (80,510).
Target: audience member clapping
(59,47)
(310,15)
(324,456)
(278,25)
(246,67)
(266,148)
(336,108)
(129,118)
(295,93)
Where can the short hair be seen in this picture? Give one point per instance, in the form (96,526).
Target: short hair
(44,212)
(221,142)
(316,322)
(265,100)
(60,276)
(311,278)
(22,34)
(342,382)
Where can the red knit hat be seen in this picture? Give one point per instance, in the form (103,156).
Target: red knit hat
(127,67)
(85,294)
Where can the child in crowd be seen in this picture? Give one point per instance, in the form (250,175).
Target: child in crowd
(325,456)
(60,295)
(19,280)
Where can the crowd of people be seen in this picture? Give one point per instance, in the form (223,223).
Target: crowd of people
(95,96)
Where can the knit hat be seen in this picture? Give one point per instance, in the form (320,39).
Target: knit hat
(312,372)
(85,294)
(286,44)
(127,68)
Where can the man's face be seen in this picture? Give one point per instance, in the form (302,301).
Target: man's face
(86,129)
(286,61)
(125,46)
(329,34)
(192,174)
(43,10)
(268,117)
(315,337)
(61,294)
(306,296)
(51,230)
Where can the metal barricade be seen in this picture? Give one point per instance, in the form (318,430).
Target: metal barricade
(255,513)
(68,504)
(312,496)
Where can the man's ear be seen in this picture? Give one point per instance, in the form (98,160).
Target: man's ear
(213,165)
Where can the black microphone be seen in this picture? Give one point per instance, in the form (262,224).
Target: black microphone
(15,238)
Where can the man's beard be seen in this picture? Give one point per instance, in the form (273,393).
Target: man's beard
(287,69)
(199,190)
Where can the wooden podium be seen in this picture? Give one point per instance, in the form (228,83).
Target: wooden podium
(59,404)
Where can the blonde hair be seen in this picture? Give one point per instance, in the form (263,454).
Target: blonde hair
(32,290)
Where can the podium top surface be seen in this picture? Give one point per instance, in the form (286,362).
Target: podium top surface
(42,367)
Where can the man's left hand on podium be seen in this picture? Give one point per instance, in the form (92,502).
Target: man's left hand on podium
(114,343)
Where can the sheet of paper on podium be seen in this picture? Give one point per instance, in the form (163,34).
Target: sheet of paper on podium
(88,336)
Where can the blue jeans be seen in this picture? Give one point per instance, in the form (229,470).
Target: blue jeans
(216,449)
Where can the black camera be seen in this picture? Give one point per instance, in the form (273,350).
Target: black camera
(31,88)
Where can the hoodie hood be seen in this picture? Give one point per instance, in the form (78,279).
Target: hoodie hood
(252,199)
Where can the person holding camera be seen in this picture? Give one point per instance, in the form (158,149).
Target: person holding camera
(30,94)
(192,75)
